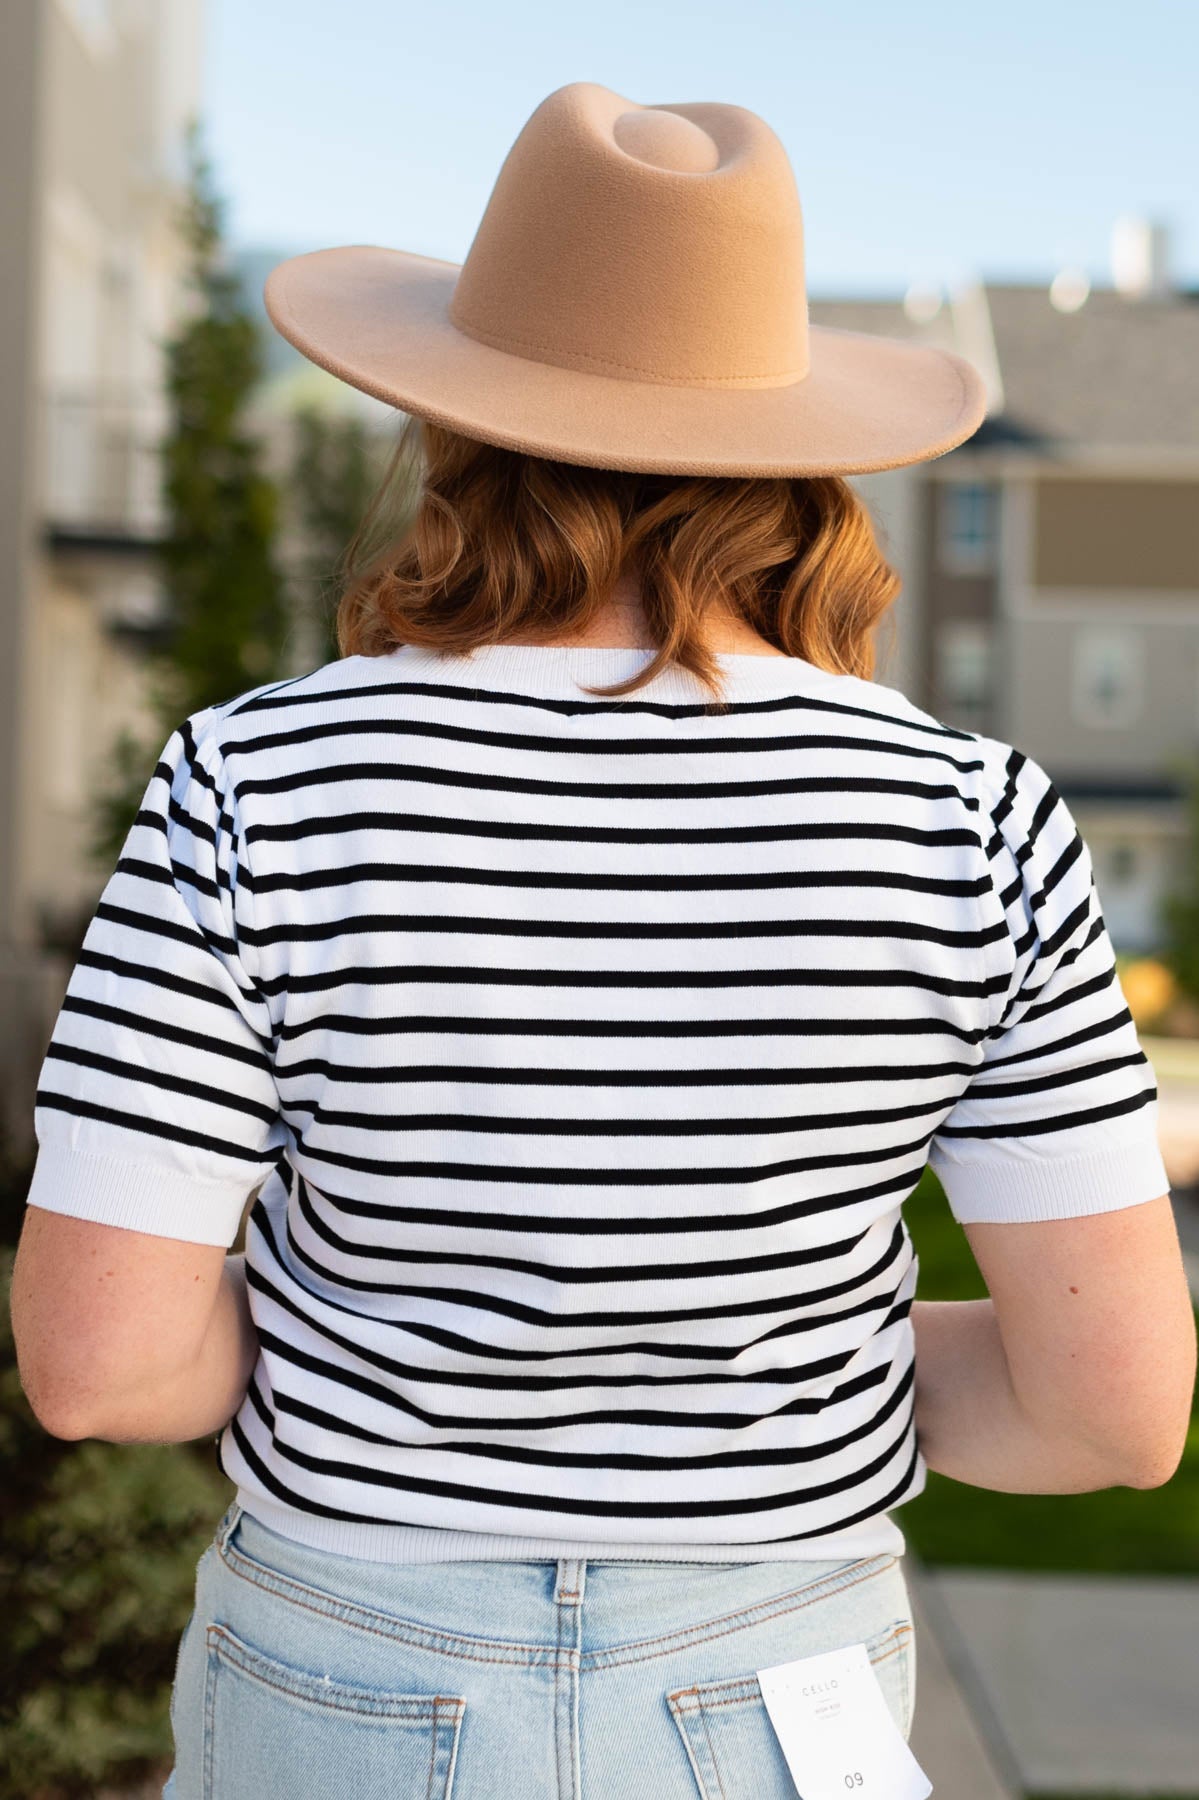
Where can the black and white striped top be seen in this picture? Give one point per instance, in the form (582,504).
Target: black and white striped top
(589,1049)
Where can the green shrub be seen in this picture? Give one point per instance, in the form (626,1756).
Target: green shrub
(98,1550)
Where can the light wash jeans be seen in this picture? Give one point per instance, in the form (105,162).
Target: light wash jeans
(304,1675)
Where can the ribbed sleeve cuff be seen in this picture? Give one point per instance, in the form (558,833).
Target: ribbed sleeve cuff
(141,1196)
(1054,1188)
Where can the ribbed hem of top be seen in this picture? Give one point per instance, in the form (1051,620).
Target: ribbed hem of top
(557,670)
(429,1543)
(140,1196)
(1028,1188)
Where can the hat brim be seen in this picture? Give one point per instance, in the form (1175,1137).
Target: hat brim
(378,319)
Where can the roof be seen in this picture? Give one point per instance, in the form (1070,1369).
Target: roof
(1118,373)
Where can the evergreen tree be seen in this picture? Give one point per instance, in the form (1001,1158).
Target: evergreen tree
(335,468)
(227,616)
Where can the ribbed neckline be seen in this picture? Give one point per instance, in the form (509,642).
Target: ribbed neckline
(556,670)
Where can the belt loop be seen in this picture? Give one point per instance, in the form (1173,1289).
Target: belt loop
(572,1571)
(228,1524)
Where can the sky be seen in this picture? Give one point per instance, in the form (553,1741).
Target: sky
(931,143)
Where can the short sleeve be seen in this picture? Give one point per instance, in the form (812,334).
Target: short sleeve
(1060,1116)
(156,1106)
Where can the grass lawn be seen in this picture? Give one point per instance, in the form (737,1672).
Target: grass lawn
(1134,1531)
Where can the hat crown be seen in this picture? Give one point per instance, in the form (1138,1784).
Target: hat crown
(658,244)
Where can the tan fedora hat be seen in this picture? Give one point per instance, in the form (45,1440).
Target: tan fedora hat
(634,298)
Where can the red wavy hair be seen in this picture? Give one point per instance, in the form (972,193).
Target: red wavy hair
(502,546)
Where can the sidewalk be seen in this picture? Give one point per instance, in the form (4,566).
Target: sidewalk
(1078,1683)
(955,1737)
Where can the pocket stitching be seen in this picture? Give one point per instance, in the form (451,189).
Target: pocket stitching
(433,1750)
(893,1637)
(422,1708)
(687,1705)
(362,1618)
(712,1754)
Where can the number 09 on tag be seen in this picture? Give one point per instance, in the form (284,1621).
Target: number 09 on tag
(836,1730)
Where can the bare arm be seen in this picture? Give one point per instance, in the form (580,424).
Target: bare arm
(127,1336)
(1077,1373)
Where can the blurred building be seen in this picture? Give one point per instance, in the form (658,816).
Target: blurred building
(1051,564)
(94,96)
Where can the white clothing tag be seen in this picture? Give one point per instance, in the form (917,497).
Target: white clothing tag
(836,1730)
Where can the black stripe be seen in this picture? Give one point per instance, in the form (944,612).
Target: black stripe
(541,1125)
(177,873)
(194,935)
(574,745)
(498,1075)
(307,1503)
(565,1275)
(565,1175)
(642,1030)
(685,709)
(140,1125)
(1002,1090)
(157,978)
(327,824)
(379,925)
(168,1031)
(1086,1034)
(623,1224)
(492,975)
(624,792)
(666,1416)
(507,1379)
(477,1301)
(331,1468)
(676,1462)
(574,1223)
(1070,1121)
(159,1078)
(632,881)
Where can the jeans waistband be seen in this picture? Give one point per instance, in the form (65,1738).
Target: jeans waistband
(602,1610)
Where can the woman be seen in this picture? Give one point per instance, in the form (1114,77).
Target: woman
(576,976)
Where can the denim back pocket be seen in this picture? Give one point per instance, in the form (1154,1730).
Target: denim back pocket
(731,1744)
(273,1732)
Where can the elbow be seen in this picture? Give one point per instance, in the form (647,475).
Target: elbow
(1155,1470)
(1152,1460)
(57,1414)
(73,1410)
(64,1406)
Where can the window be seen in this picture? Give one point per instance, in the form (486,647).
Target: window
(1107,675)
(967,515)
(964,666)
(1122,862)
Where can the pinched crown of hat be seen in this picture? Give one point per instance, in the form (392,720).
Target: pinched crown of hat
(634,298)
(655,244)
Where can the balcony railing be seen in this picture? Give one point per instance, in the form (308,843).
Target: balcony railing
(101,478)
